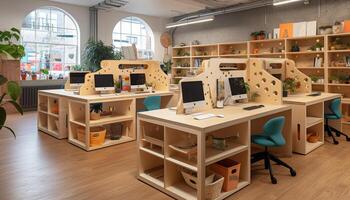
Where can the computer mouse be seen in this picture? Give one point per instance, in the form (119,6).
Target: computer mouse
(220,116)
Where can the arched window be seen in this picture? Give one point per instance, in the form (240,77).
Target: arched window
(51,40)
(133,30)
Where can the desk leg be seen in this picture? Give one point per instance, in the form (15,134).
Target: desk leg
(201,166)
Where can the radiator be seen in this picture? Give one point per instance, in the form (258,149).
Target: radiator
(29,96)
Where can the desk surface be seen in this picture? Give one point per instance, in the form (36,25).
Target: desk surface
(70,94)
(231,113)
(303,99)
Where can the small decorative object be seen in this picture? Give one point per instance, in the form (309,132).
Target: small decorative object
(95,111)
(23,75)
(126,84)
(54,107)
(314,79)
(118,84)
(220,93)
(255,51)
(334,79)
(219,143)
(312,137)
(195,42)
(149,87)
(324,30)
(45,72)
(116,131)
(295,47)
(182,44)
(337,28)
(97,136)
(343,79)
(261,35)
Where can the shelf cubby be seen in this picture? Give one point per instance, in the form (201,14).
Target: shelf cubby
(273,48)
(42,120)
(203,51)
(318,129)
(43,103)
(238,49)
(78,112)
(152,168)
(53,106)
(152,138)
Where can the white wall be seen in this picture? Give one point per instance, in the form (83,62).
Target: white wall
(13,12)
(108,19)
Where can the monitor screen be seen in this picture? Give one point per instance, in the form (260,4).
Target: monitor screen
(237,86)
(104,80)
(77,77)
(137,79)
(192,91)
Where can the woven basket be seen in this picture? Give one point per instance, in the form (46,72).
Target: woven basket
(213,184)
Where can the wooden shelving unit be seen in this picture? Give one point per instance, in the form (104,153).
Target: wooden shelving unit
(122,112)
(52,115)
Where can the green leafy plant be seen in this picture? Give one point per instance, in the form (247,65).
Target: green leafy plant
(314,79)
(289,84)
(78,68)
(44,71)
(13,91)
(167,66)
(252,95)
(8,46)
(96,51)
(96,107)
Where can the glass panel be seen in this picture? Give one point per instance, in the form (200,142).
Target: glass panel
(71,37)
(58,37)
(69,24)
(57,54)
(57,18)
(126,27)
(28,35)
(43,56)
(136,29)
(42,19)
(30,58)
(29,21)
(42,36)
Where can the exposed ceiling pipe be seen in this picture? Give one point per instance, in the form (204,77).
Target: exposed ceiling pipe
(229,9)
(109,4)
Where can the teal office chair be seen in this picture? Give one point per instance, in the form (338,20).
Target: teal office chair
(152,103)
(271,137)
(335,114)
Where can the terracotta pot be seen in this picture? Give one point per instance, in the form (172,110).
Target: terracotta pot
(34,77)
(95,116)
(24,76)
(261,37)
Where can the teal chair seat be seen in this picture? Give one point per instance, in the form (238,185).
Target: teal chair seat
(272,135)
(152,103)
(331,116)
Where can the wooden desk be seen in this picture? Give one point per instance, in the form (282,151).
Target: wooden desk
(74,113)
(308,116)
(160,166)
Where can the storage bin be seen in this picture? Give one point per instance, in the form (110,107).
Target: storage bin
(229,169)
(213,184)
(97,135)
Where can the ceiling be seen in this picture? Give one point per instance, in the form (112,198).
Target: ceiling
(163,8)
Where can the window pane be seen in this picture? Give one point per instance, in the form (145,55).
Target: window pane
(58,37)
(57,18)
(42,19)
(70,54)
(30,58)
(42,36)
(71,37)
(136,29)
(43,56)
(126,27)
(28,35)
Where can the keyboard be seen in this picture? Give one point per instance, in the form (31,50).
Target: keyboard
(253,107)
(314,94)
(204,116)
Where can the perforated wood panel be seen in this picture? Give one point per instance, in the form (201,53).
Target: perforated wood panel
(263,83)
(211,73)
(304,80)
(154,74)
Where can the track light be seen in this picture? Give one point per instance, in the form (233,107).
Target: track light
(190,21)
(282,2)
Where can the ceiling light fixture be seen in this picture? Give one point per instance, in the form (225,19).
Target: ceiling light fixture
(282,2)
(186,22)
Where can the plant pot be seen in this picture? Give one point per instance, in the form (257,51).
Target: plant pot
(337,29)
(117,90)
(285,93)
(95,116)
(23,77)
(253,37)
(34,77)
(325,31)
(261,37)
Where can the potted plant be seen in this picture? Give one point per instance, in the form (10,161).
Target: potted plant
(13,92)
(295,47)
(118,86)
(45,72)
(261,35)
(334,79)
(289,86)
(95,111)
(34,76)
(251,95)
(9,50)
(314,79)
(254,35)
(96,51)
(23,75)
(149,87)
(343,78)
(167,66)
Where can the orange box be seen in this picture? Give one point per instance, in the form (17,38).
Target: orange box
(286,30)
(346,26)
(229,169)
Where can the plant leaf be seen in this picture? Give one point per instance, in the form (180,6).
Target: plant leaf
(14,90)
(15,30)
(2,116)
(2,97)
(3,79)
(17,106)
(13,133)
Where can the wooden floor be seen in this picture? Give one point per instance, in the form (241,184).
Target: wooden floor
(38,166)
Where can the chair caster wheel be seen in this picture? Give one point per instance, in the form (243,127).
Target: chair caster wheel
(337,134)
(335,142)
(348,139)
(293,173)
(273,180)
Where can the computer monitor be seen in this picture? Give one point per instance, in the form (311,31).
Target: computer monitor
(237,89)
(76,79)
(104,82)
(192,94)
(137,80)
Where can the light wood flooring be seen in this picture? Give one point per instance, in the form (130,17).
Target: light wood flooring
(38,166)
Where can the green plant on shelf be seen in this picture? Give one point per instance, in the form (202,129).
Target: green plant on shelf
(334,79)
(314,79)
(251,95)
(343,78)
(13,92)
(290,85)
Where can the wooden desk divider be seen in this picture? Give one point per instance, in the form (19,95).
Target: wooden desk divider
(154,74)
(260,81)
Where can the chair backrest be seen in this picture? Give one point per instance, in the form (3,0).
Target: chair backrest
(273,129)
(152,103)
(334,106)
